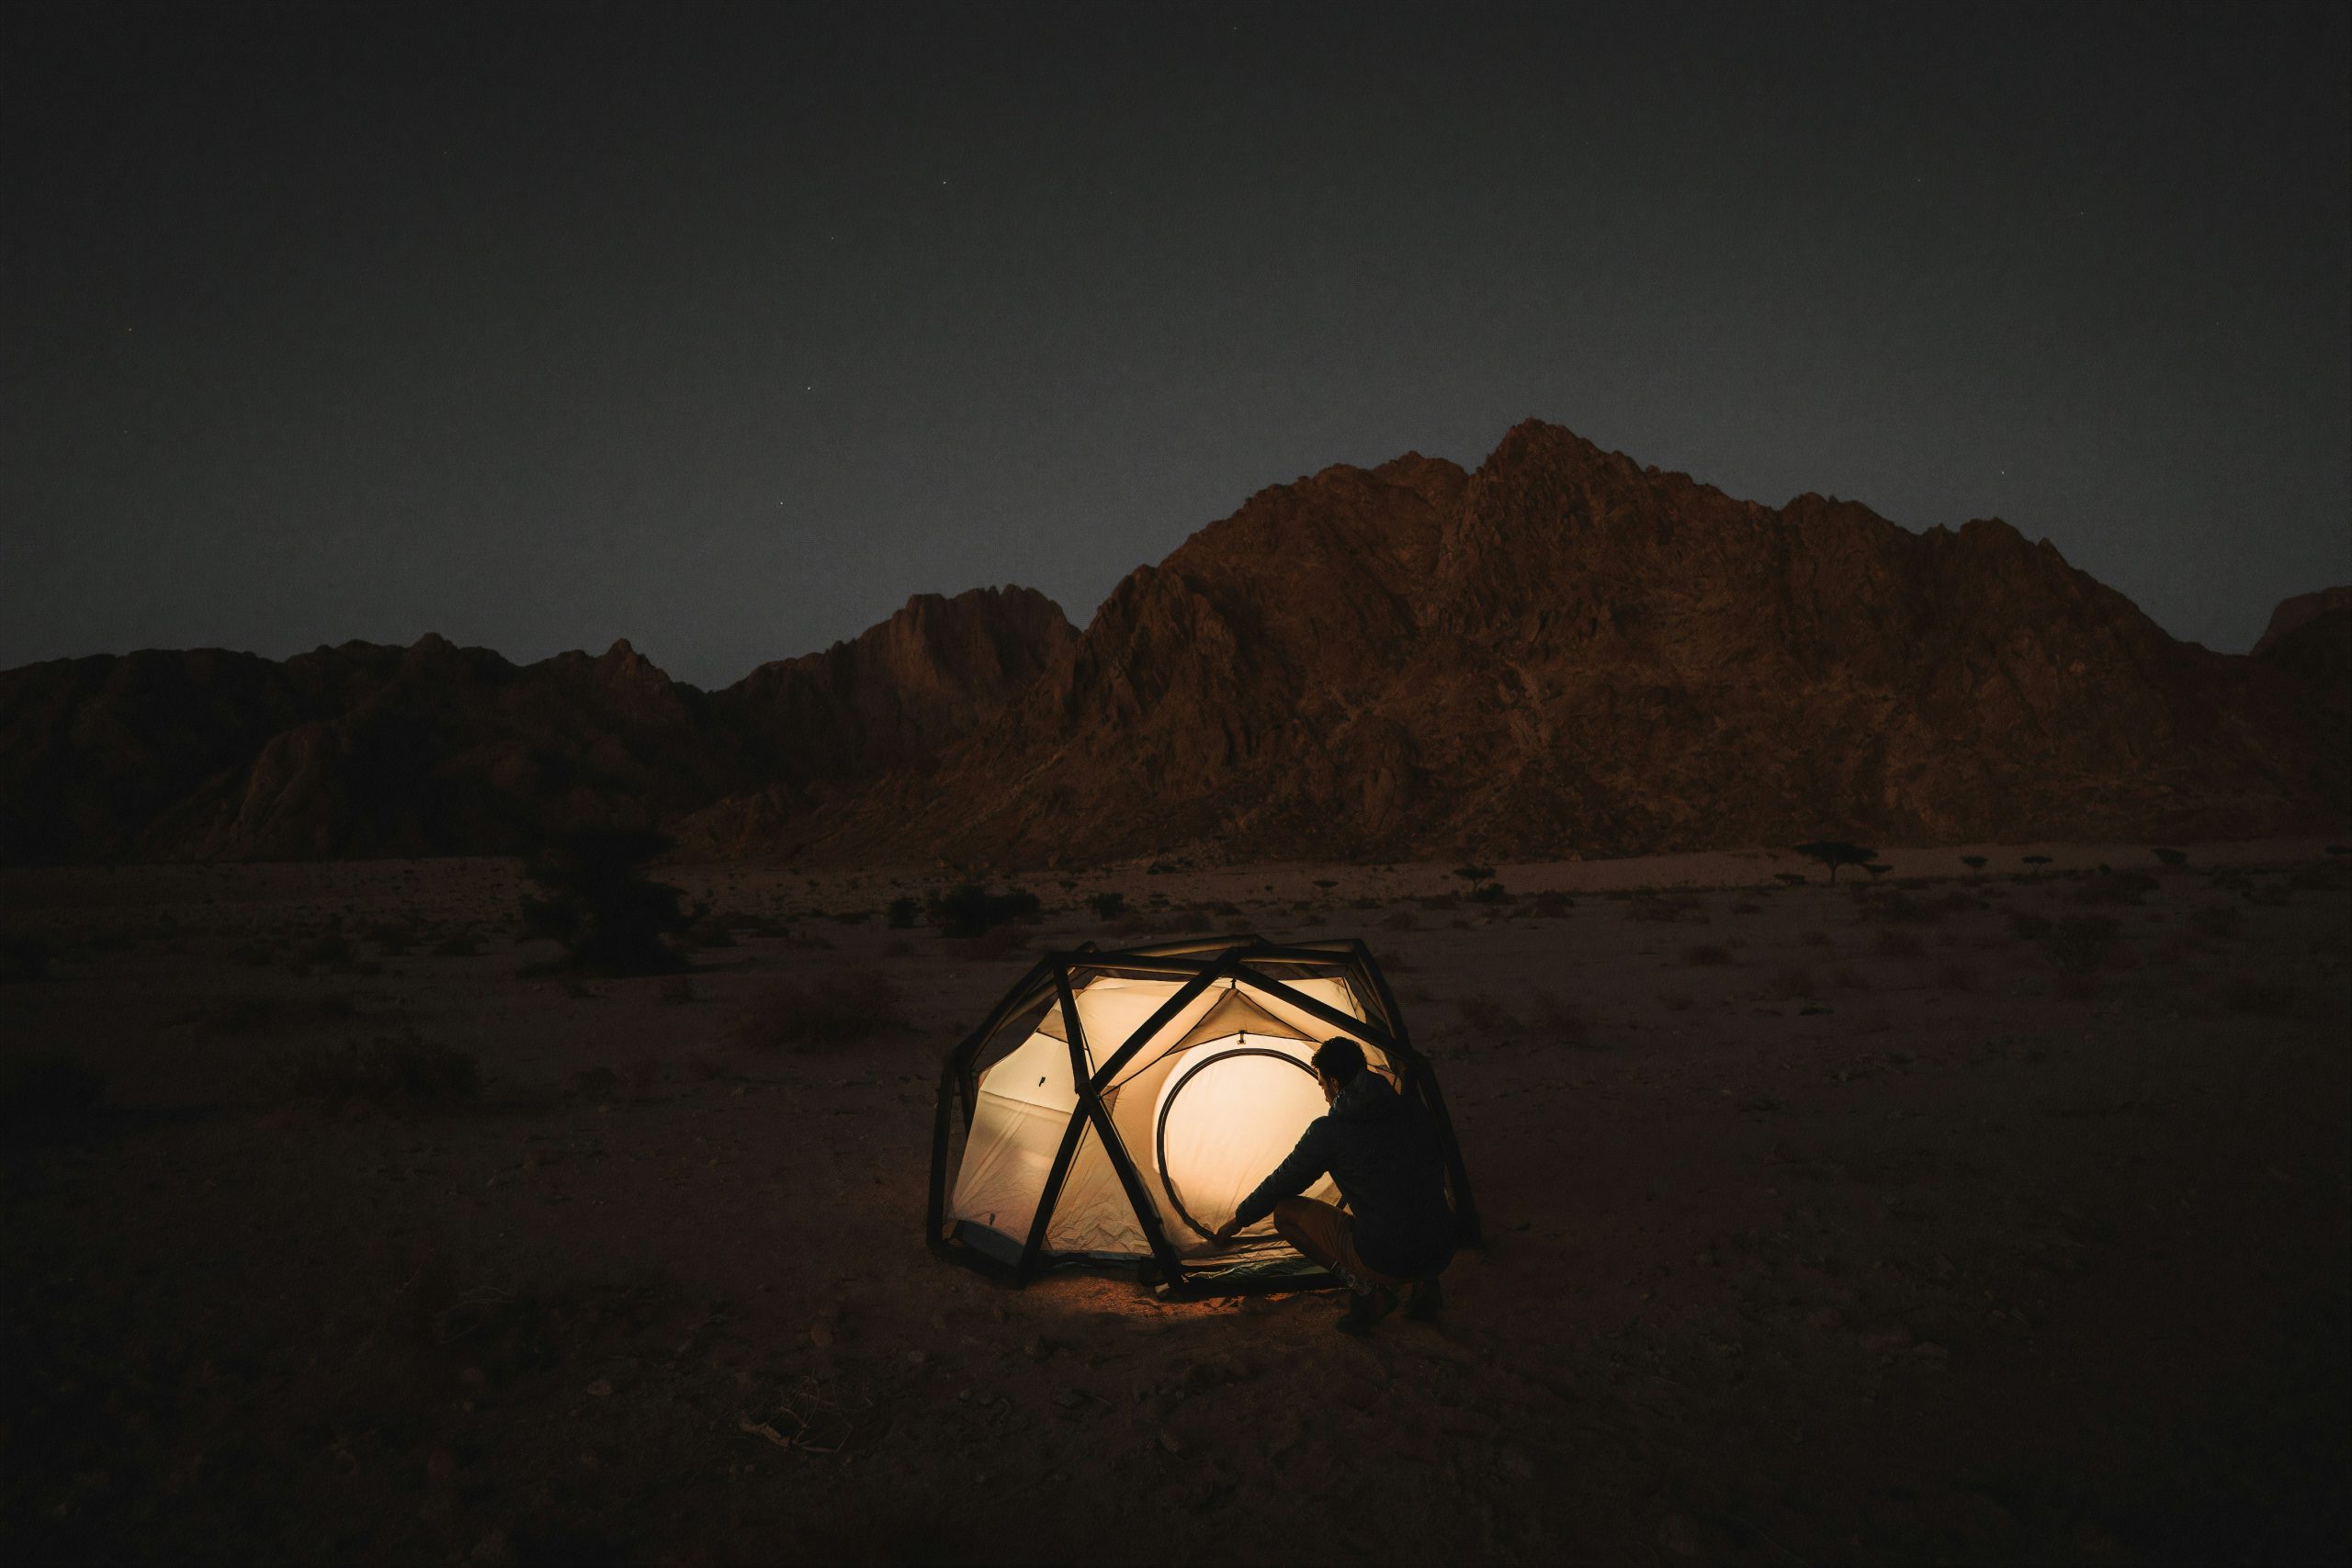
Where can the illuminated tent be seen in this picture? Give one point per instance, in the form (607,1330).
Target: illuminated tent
(1117,1106)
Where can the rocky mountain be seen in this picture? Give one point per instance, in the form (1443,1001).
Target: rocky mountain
(1565,652)
(364,749)
(1562,653)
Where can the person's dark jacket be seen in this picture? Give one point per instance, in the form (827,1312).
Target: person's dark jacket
(1378,1148)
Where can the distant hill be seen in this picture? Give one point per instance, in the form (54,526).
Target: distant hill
(363,749)
(1560,653)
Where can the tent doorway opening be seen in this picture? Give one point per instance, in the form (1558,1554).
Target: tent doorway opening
(1227,1119)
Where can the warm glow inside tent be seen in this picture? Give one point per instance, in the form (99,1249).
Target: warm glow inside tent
(1117,1107)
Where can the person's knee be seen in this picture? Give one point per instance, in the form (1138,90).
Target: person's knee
(1294,1210)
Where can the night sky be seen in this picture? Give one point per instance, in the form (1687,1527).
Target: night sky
(727,331)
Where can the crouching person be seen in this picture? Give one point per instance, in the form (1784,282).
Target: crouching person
(1377,1147)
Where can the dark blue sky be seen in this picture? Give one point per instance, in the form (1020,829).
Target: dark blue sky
(725,332)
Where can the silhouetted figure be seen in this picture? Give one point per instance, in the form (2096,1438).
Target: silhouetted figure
(1398,1232)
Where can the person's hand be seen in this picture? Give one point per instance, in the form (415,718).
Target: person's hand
(1225,1233)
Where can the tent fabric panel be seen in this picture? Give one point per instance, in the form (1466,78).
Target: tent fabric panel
(1038,1073)
(1006,1161)
(1227,1114)
(1092,1215)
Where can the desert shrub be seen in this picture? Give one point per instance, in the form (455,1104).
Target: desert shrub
(1894,944)
(1553,904)
(1108,906)
(1846,977)
(46,1086)
(1792,982)
(458,945)
(331,950)
(393,937)
(1238,925)
(994,943)
(1975,864)
(1651,906)
(853,917)
(269,1012)
(1899,906)
(2215,920)
(1398,920)
(2111,886)
(831,1008)
(2028,926)
(393,1072)
(1958,977)
(1485,1015)
(1813,938)
(1560,1021)
(1366,902)
(2262,999)
(1706,954)
(2079,943)
(903,912)
(1791,878)
(595,899)
(972,910)
(1489,893)
(2170,856)
(24,957)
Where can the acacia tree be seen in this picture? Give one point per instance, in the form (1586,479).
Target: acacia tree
(1835,853)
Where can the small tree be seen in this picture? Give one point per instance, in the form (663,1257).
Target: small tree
(2170,856)
(1975,865)
(2037,862)
(1877,869)
(1835,853)
(904,910)
(1108,906)
(597,900)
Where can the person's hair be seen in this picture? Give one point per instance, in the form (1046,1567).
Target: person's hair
(1340,1059)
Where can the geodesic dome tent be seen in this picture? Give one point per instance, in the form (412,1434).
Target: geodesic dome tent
(1117,1106)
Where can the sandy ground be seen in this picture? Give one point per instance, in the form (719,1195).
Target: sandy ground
(1825,1227)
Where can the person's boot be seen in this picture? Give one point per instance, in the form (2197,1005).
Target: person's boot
(1366,1308)
(1424,1300)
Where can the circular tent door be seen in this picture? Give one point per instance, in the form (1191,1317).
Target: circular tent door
(1229,1115)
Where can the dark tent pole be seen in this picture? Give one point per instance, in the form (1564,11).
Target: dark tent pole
(1114,1147)
(1036,1245)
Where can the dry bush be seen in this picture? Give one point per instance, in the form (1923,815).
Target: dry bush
(1896,944)
(269,1012)
(2218,920)
(1238,925)
(1846,977)
(1814,939)
(831,1008)
(1560,1021)
(1652,906)
(1485,1015)
(1675,1001)
(1399,920)
(1792,982)
(393,1072)
(1553,905)
(995,942)
(2262,999)
(2115,887)
(1706,954)
(2079,943)
(1958,977)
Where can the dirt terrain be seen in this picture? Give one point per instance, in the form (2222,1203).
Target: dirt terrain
(1963,1217)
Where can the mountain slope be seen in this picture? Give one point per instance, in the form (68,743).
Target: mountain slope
(1567,653)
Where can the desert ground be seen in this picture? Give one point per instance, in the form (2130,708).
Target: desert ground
(1963,1215)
